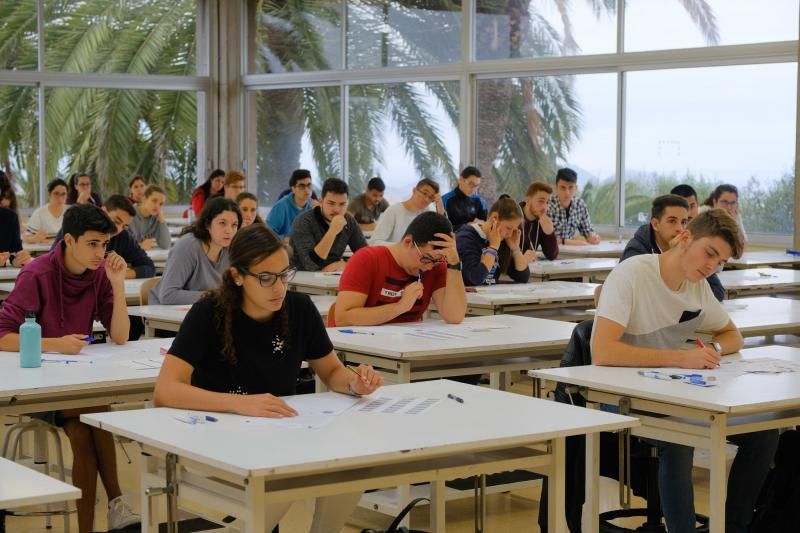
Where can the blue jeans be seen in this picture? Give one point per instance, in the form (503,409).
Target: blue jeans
(748,472)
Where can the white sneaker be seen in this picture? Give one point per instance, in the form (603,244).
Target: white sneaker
(120,514)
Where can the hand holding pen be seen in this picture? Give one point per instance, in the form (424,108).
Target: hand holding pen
(365,380)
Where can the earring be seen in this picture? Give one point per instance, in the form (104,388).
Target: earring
(238,283)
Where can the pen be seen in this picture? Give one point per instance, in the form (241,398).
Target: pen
(356,372)
(456,398)
(354,332)
(88,339)
(211,418)
(699,343)
(654,374)
(792,252)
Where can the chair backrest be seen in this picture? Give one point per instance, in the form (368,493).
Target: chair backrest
(332,316)
(144,290)
(578,353)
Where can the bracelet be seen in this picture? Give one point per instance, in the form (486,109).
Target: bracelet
(490,251)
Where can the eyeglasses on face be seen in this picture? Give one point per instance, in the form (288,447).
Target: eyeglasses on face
(426,259)
(268,279)
(430,196)
(303,186)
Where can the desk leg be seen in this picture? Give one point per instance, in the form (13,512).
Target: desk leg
(556,507)
(592,482)
(498,380)
(254,519)
(149,511)
(172,493)
(404,372)
(149,330)
(437,506)
(718,471)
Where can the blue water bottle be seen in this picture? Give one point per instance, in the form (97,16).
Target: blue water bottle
(30,342)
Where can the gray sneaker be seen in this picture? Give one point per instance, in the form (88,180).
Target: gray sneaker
(120,514)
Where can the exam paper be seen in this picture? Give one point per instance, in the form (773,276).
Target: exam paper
(142,364)
(399,406)
(763,365)
(313,410)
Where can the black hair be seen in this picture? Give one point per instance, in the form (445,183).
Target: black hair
(210,210)
(117,201)
(376,184)
(81,218)
(55,183)
(206,186)
(567,174)
(333,186)
(661,203)
(297,175)
(5,182)
(425,226)
(470,171)
(685,190)
(430,183)
(719,191)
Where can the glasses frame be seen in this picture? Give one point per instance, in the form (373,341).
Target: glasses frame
(285,276)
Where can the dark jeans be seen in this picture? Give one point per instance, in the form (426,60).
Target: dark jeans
(748,472)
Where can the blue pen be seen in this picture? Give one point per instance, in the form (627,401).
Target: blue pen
(354,332)
(88,339)
(211,418)
(792,252)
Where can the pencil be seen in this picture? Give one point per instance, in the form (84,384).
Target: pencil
(354,371)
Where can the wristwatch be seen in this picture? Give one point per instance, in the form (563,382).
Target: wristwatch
(717,346)
(455,266)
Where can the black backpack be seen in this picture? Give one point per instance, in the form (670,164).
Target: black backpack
(778,507)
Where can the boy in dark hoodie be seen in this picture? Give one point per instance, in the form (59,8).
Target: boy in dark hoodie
(80,284)
(669,218)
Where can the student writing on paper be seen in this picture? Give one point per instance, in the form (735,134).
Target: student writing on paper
(395,283)
(200,257)
(67,288)
(46,221)
(649,306)
(320,236)
(121,212)
(491,248)
(242,345)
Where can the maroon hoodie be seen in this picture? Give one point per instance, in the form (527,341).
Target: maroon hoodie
(63,303)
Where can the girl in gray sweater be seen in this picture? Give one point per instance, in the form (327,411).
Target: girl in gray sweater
(200,257)
(148,226)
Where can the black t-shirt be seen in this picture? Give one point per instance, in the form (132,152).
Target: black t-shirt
(267,362)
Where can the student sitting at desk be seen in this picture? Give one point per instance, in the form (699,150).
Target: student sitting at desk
(649,306)
(80,190)
(211,188)
(395,283)
(537,228)
(491,248)
(148,226)
(121,212)
(569,213)
(200,257)
(282,215)
(320,236)
(464,205)
(391,227)
(136,189)
(248,205)
(77,284)
(240,349)
(669,216)
(11,252)
(46,221)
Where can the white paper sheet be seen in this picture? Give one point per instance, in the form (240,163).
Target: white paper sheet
(400,406)
(142,364)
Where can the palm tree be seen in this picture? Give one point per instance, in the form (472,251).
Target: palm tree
(111,134)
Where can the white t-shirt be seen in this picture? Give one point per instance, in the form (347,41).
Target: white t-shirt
(654,316)
(393,224)
(42,219)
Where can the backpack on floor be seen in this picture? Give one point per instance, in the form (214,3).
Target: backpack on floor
(394,526)
(778,507)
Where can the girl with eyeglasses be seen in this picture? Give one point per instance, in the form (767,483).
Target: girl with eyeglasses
(46,221)
(489,249)
(80,190)
(200,257)
(240,349)
(725,197)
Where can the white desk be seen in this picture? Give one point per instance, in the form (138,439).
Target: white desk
(9,273)
(64,386)
(613,249)
(765,258)
(38,248)
(22,486)
(585,268)
(752,282)
(132,287)
(402,358)
(316,283)
(764,316)
(174,231)
(158,256)
(170,317)
(698,416)
(176,221)
(509,298)
(490,436)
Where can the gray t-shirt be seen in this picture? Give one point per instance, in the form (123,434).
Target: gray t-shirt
(142,228)
(188,273)
(363,214)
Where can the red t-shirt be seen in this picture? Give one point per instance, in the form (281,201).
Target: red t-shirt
(373,271)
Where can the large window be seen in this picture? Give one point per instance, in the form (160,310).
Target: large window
(19,141)
(116,134)
(296,128)
(529,127)
(18,38)
(708,126)
(403,132)
(662,24)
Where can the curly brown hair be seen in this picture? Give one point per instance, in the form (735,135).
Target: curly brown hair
(250,246)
